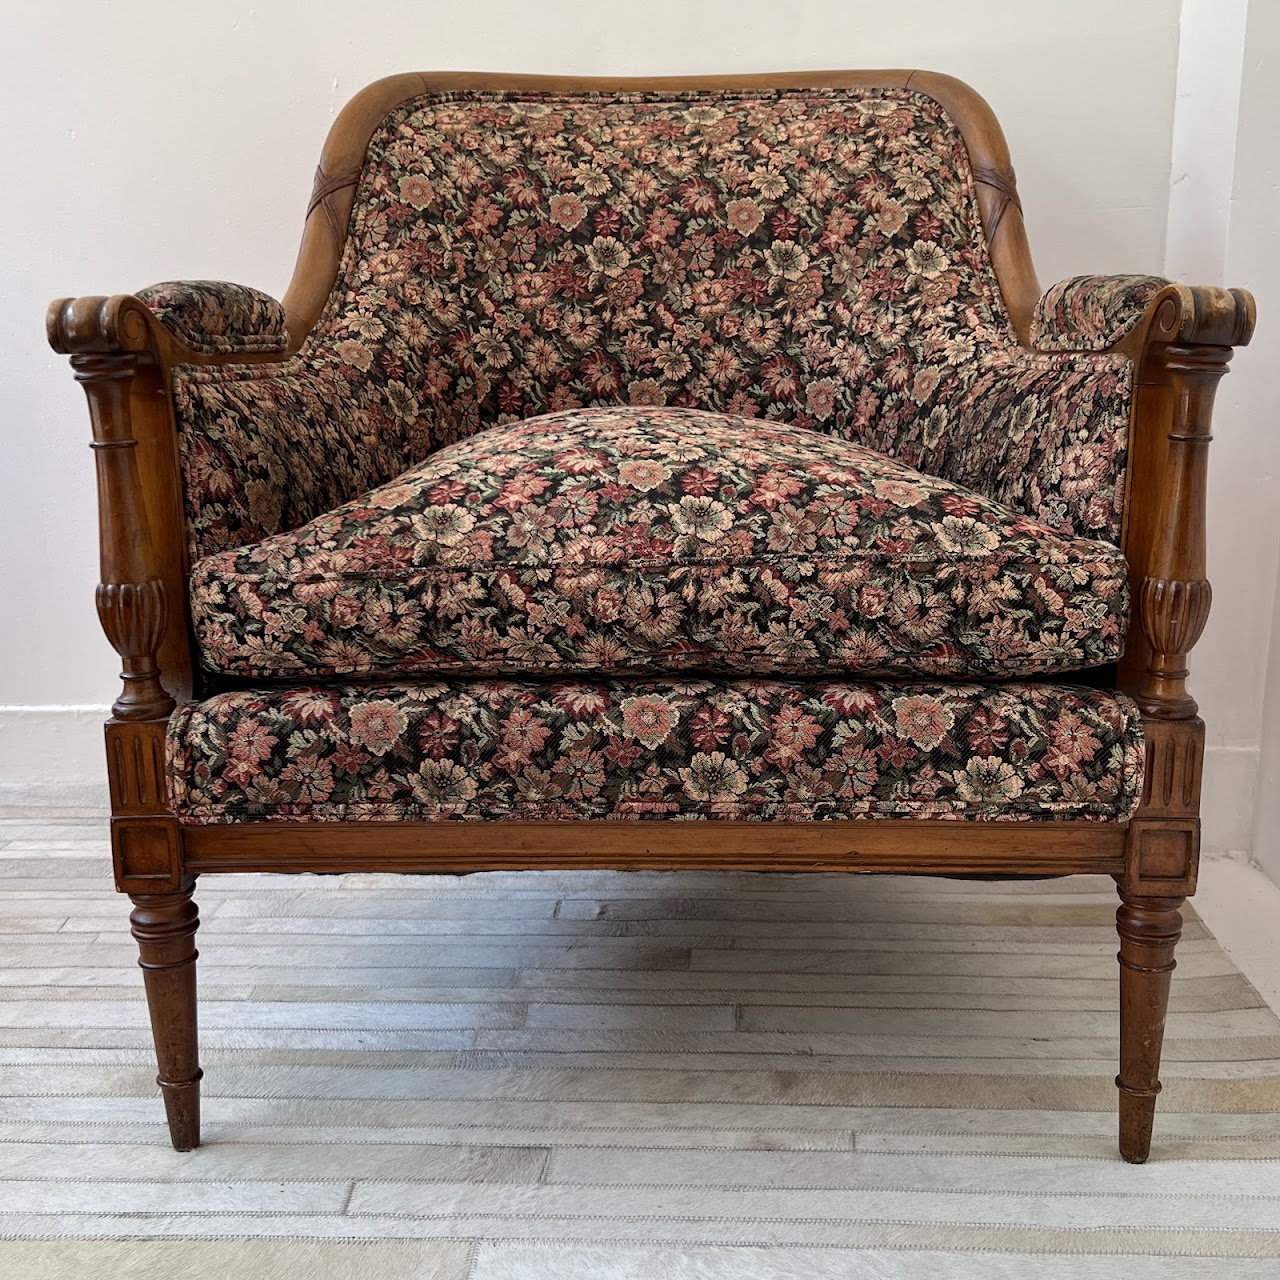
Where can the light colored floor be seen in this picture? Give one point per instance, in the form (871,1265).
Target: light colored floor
(1242,908)
(597,1076)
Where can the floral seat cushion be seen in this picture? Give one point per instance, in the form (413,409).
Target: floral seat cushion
(619,540)
(745,750)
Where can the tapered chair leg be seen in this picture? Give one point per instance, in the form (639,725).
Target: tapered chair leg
(1149,929)
(165,926)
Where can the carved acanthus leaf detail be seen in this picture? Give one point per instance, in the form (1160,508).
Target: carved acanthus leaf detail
(1174,612)
(134,616)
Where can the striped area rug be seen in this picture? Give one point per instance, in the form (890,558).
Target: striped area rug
(603,1076)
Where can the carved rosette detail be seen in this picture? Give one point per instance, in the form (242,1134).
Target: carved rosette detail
(134,616)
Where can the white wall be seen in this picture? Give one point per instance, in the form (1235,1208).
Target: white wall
(1224,223)
(148,140)
(1249,434)
(1227,666)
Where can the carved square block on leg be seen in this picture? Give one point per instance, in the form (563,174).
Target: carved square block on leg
(1163,857)
(147,854)
(146,843)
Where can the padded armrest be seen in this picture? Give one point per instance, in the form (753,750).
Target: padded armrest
(1045,433)
(1091,313)
(216,317)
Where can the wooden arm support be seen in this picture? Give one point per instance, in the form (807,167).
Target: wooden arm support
(122,357)
(142,592)
(1174,595)
(1180,353)
(119,359)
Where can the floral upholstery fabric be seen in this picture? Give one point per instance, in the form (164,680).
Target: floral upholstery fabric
(217,317)
(700,749)
(1091,313)
(814,257)
(610,540)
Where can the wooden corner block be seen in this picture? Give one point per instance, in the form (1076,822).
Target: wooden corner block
(1162,857)
(146,843)
(147,854)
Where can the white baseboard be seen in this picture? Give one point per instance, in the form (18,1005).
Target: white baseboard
(53,757)
(1229,799)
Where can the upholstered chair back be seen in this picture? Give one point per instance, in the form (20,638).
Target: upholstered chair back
(811,256)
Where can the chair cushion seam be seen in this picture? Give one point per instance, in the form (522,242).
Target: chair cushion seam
(627,566)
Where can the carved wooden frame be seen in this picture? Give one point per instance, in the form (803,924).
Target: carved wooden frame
(122,357)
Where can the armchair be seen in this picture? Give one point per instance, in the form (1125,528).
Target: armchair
(666,474)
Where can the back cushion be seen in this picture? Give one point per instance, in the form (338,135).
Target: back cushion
(810,256)
(761,255)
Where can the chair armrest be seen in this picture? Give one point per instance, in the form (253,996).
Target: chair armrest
(1084,438)
(1044,433)
(218,318)
(1180,352)
(117,351)
(1091,313)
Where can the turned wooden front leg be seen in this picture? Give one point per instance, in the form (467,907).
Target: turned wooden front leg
(1149,929)
(165,926)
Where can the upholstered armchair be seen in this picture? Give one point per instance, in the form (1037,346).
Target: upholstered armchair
(666,474)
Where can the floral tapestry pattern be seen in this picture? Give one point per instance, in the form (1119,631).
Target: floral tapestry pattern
(615,540)
(214,316)
(701,749)
(1091,313)
(814,257)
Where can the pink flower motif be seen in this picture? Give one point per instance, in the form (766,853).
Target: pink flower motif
(792,733)
(567,211)
(923,721)
(645,392)
(580,773)
(378,725)
(649,719)
(820,398)
(581,702)
(713,777)
(642,474)
(416,191)
(743,216)
(356,354)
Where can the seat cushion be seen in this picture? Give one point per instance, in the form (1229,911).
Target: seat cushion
(616,540)
(488,750)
